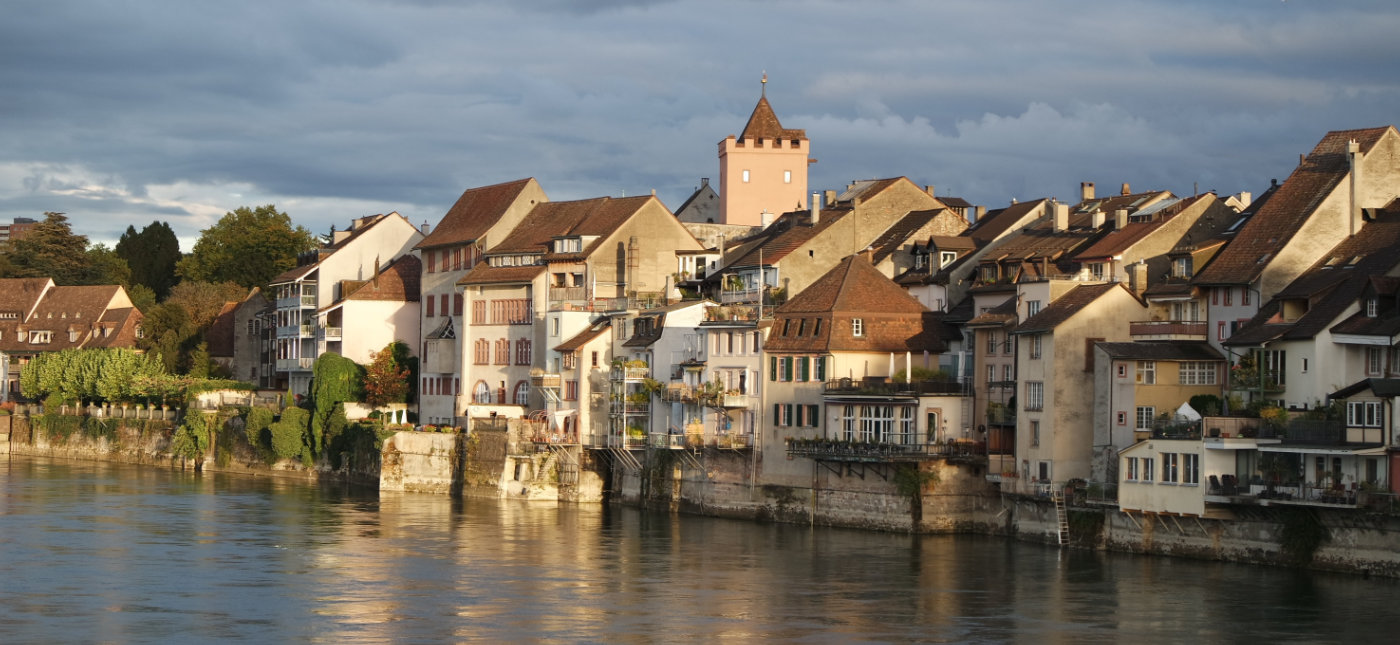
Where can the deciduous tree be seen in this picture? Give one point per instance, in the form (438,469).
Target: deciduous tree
(246,246)
(386,381)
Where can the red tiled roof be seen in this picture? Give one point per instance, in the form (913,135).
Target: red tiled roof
(892,320)
(398,282)
(580,339)
(1065,307)
(763,124)
(474,213)
(1261,238)
(483,273)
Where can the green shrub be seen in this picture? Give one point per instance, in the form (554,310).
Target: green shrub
(289,433)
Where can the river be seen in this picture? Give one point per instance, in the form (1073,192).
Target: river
(97,552)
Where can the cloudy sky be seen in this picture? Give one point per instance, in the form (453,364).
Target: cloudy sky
(123,113)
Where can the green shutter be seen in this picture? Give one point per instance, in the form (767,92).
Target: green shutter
(789,412)
(804,371)
(787,368)
(821,368)
(772,368)
(812,411)
(777,414)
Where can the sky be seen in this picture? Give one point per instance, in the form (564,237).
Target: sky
(125,113)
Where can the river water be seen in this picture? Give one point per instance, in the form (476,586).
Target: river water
(94,552)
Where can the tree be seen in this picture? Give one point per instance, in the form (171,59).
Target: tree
(224,251)
(334,380)
(104,266)
(152,255)
(175,328)
(51,250)
(386,381)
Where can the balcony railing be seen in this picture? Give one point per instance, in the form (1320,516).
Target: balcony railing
(731,313)
(294,364)
(885,387)
(839,450)
(630,373)
(330,333)
(1168,330)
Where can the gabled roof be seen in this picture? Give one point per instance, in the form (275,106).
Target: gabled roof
(1275,223)
(1383,387)
(474,213)
(995,222)
(74,316)
(326,250)
(1065,307)
(997,316)
(580,339)
(763,124)
(853,285)
(598,216)
(1330,286)
(1123,239)
(397,282)
(898,233)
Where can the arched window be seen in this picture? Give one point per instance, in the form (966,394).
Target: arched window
(482,392)
(522,393)
(522,352)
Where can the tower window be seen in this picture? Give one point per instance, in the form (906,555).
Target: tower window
(746,176)
(787,176)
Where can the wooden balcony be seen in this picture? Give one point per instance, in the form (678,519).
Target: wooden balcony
(1168,330)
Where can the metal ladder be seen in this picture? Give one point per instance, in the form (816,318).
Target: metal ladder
(1061,516)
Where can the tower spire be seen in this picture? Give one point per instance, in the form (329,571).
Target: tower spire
(763,85)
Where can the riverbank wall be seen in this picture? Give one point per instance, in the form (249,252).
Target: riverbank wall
(953,498)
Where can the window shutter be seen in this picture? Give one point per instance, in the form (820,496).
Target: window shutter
(803,369)
(772,368)
(777,414)
(787,368)
(821,368)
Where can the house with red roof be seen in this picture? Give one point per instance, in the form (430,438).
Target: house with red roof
(37,316)
(481,217)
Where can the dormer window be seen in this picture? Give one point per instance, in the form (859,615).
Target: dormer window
(568,245)
(946,258)
(1372,307)
(1181,267)
(40,337)
(857,327)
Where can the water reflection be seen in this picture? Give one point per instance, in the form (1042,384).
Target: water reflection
(117,553)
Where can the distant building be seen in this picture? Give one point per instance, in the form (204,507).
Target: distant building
(17,230)
(36,317)
(763,170)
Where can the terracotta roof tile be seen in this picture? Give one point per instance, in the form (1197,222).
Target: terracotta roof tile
(398,282)
(891,319)
(763,124)
(474,213)
(1261,238)
(1065,307)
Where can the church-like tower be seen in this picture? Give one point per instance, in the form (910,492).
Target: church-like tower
(763,170)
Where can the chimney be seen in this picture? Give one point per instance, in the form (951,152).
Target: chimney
(1126,189)
(929,189)
(1137,277)
(1246,198)
(1099,217)
(1120,219)
(424,228)
(830,197)
(765,218)
(375,280)
(816,209)
(1086,191)
(1353,157)
(1061,216)
(977,214)
(704,181)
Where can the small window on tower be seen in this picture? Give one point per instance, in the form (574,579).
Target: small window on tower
(746,176)
(787,176)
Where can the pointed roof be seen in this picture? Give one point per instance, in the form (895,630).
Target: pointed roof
(1066,306)
(397,282)
(474,213)
(763,124)
(853,285)
(1275,223)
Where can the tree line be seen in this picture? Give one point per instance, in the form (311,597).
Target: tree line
(180,294)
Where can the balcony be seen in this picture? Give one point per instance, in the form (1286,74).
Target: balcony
(1000,414)
(878,387)
(732,313)
(630,373)
(329,333)
(897,450)
(295,364)
(736,400)
(741,296)
(1168,330)
(546,380)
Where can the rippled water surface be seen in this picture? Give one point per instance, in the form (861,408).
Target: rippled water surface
(113,553)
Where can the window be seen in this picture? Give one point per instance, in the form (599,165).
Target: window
(1220,331)
(1148,464)
(442,304)
(1147,372)
(745,176)
(946,258)
(782,414)
(432,262)
(502,352)
(1244,295)
(1145,415)
(1122,370)
(1197,373)
(1122,418)
(1035,345)
(1032,308)
(787,176)
(1374,361)
(1035,433)
(1272,361)
(1181,267)
(1190,469)
(991,342)
(1035,395)
(522,352)
(482,352)
(819,364)
(1096,270)
(991,373)
(430,304)
(1364,414)
(1006,373)
(1372,307)
(522,393)
(457,304)
(1169,467)
(481,393)
(1229,293)
(857,327)
(478,312)
(571,390)
(804,369)
(1130,469)
(1305,366)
